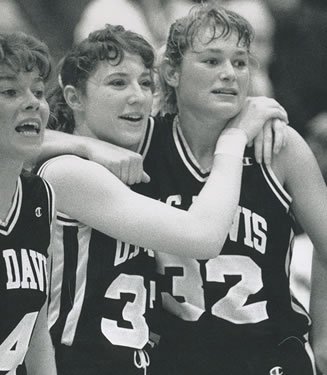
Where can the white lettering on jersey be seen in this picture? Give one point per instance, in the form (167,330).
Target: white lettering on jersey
(174,200)
(255,229)
(125,251)
(255,226)
(32,264)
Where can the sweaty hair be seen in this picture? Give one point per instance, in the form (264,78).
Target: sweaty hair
(108,44)
(183,33)
(23,53)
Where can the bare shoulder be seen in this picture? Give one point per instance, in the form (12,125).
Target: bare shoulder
(294,156)
(69,170)
(295,165)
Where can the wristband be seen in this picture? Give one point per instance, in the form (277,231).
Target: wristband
(231,142)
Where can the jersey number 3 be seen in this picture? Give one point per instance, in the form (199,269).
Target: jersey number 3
(133,312)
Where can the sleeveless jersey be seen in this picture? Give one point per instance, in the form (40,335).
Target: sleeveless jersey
(24,240)
(102,291)
(243,293)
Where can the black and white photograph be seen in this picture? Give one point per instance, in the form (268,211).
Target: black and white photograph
(163,200)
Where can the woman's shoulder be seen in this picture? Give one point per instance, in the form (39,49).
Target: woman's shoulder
(293,156)
(64,168)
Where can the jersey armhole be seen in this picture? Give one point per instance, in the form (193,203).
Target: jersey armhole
(276,187)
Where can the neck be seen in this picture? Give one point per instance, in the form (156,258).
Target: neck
(83,130)
(9,173)
(201,136)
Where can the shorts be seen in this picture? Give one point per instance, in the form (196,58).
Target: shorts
(72,362)
(291,357)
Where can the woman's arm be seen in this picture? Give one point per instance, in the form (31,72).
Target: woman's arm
(305,184)
(89,193)
(124,164)
(40,358)
(128,165)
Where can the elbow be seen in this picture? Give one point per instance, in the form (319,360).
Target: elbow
(209,245)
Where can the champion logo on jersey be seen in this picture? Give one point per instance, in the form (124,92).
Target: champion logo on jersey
(38,212)
(247,161)
(276,371)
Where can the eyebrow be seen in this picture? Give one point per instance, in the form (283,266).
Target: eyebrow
(123,74)
(8,77)
(14,78)
(218,50)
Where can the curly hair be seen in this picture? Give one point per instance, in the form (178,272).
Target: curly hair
(107,44)
(22,52)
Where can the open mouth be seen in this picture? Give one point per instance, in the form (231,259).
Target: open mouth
(231,92)
(28,128)
(132,117)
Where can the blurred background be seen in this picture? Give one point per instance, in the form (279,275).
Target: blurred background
(290,56)
(290,48)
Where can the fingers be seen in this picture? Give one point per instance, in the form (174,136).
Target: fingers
(267,142)
(270,140)
(135,171)
(280,135)
(145,178)
(124,171)
(258,147)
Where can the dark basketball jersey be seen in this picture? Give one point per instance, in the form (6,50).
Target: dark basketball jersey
(102,291)
(243,293)
(24,240)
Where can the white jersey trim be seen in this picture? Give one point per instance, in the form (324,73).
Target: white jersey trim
(276,186)
(61,217)
(51,200)
(84,235)
(193,166)
(144,145)
(57,258)
(7,225)
(309,351)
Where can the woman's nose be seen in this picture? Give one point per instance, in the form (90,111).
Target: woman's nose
(31,101)
(227,72)
(136,95)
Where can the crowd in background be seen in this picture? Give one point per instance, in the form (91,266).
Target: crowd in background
(289,52)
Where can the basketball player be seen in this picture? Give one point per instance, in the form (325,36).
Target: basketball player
(102,289)
(26,206)
(234,314)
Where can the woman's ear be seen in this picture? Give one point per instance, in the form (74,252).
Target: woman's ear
(170,73)
(73,98)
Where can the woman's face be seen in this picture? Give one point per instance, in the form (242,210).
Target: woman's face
(118,101)
(214,77)
(24,113)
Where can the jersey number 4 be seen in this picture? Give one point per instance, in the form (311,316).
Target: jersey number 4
(233,306)
(14,347)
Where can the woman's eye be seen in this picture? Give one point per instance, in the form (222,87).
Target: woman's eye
(38,94)
(240,63)
(117,83)
(211,61)
(9,92)
(147,83)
